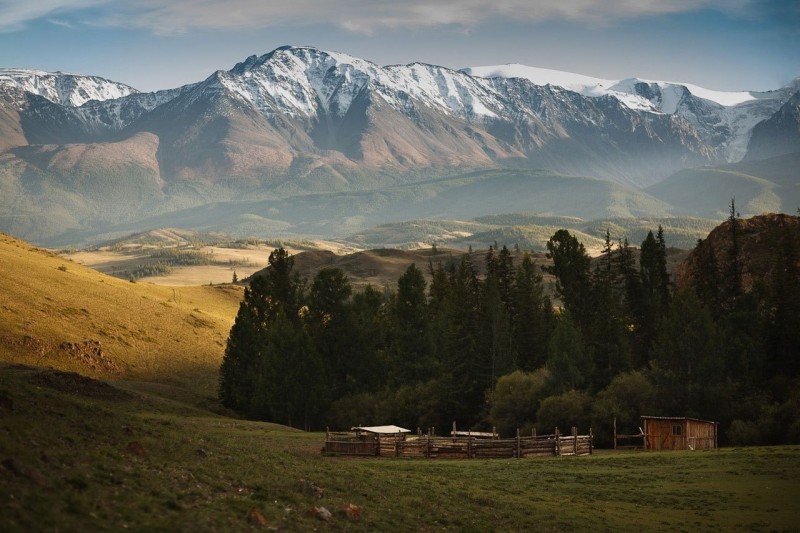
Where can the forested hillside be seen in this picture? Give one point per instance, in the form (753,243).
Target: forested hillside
(492,350)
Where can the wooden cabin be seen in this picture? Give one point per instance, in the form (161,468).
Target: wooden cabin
(678,433)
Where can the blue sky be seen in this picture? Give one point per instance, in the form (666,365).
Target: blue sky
(157,44)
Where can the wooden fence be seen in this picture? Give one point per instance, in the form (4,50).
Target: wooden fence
(459,447)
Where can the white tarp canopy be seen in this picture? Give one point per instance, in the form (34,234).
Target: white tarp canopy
(384,430)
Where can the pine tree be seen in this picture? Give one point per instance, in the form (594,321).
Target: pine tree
(686,361)
(532,319)
(294,381)
(569,363)
(243,362)
(333,328)
(248,380)
(571,269)
(410,347)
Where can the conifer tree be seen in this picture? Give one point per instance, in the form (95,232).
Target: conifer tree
(333,328)
(571,269)
(569,363)
(533,316)
(410,347)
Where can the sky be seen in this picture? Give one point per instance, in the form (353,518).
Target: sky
(157,44)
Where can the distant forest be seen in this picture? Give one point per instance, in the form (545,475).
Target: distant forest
(494,351)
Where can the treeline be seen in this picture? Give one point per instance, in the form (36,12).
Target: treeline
(163,260)
(493,351)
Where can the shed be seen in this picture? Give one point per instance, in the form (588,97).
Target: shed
(679,433)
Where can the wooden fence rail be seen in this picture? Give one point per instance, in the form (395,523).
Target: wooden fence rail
(458,447)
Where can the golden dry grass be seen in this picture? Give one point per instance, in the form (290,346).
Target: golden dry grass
(146,332)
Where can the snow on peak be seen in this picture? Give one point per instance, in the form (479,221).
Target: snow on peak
(540,76)
(303,81)
(66,89)
(629,91)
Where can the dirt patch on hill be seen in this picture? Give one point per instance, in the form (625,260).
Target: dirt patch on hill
(90,353)
(74,383)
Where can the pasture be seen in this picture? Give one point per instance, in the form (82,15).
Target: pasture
(78,454)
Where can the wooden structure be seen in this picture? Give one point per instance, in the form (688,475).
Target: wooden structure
(457,447)
(634,441)
(678,433)
(364,440)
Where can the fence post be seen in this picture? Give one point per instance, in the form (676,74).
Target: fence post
(519,448)
(428,444)
(591,442)
(575,439)
(469,447)
(558,443)
(397,444)
(615,432)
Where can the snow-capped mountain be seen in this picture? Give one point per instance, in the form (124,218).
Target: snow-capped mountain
(348,115)
(300,119)
(66,89)
(724,118)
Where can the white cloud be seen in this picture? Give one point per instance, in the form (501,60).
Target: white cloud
(15,13)
(365,16)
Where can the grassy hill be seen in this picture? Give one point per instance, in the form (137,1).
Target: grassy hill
(61,314)
(79,454)
(531,231)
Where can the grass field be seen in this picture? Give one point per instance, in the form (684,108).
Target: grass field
(80,455)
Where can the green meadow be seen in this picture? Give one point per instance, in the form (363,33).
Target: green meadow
(79,454)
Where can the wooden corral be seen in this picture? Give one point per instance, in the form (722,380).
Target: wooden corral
(458,447)
(678,433)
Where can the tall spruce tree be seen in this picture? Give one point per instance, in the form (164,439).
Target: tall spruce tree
(243,364)
(571,269)
(533,316)
(410,346)
(333,328)
(268,335)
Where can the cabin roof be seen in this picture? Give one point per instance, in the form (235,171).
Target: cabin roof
(383,430)
(676,418)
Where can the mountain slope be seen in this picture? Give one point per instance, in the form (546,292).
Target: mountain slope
(339,214)
(61,314)
(763,186)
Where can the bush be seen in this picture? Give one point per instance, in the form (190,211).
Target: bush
(516,399)
(629,396)
(572,408)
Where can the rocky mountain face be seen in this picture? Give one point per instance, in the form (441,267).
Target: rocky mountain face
(765,244)
(778,135)
(65,89)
